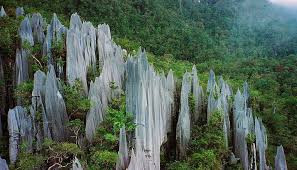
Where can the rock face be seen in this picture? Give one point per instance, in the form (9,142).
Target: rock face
(223,105)
(2,12)
(280,159)
(100,92)
(19,11)
(183,129)
(76,164)
(198,95)
(123,160)
(261,143)
(37,28)
(81,47)
(20,131)
(243,125)
(3,164)
(55,107)
(2,94)
(55,31)
(41,125)
(213,92)
(149,99)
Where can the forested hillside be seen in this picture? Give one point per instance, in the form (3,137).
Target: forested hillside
(242,40)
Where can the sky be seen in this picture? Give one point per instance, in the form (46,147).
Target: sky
(288,3)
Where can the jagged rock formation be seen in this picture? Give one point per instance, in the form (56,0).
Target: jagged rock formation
(55,32)
(2,12)
(280,159)
(183,129)
(261,143)
(123,160)
(149,98)
(243,125)
(213,92)
(19,11)
(55,106)
(3,164)
(37,28)
(198,95)
(101,92)
(81,47)
(76,164)
(40,127)
(2,94)
(223,105)
(20,131)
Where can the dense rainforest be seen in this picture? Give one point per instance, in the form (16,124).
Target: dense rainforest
(250,41)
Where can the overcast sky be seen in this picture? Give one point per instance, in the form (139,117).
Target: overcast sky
(289,3)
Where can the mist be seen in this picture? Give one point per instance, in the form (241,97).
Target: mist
(285,3)
(265,26)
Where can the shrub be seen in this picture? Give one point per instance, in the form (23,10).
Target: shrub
(105,159)
(23,92)
(76,102)
(206,159)
(179,166)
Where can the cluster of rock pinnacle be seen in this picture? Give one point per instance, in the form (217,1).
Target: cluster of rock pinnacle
(149,96)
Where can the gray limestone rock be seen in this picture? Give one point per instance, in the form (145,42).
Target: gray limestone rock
(197,93)
(2,12)
(149,97)
(81,47)
(123,159)
(76,164)
(55,107)
(20,131)
(19,11)
(183,128)
(38,24)
(3,164)
(280,159)
(25,32)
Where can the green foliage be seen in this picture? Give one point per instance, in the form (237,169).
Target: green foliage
(105,159)
(23,92)
(207,159)
(179,166)
(192,103)
(9,34)
(207,146)
(76,102)
(29,161)
(250,138)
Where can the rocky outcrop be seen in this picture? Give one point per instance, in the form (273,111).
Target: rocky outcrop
(261,143)
(55,107)
(20,131)
(2,12)
(81,47)
(76,164)
(123,159)
(183,129)
(280,159)
(2,94)
(213,93)
(19,11)
(101,92)
(38,24)
(198,95)
(149,99)
(3,164)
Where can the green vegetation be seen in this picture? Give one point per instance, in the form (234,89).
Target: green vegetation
(257,46)
(23,92)
(76,103)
